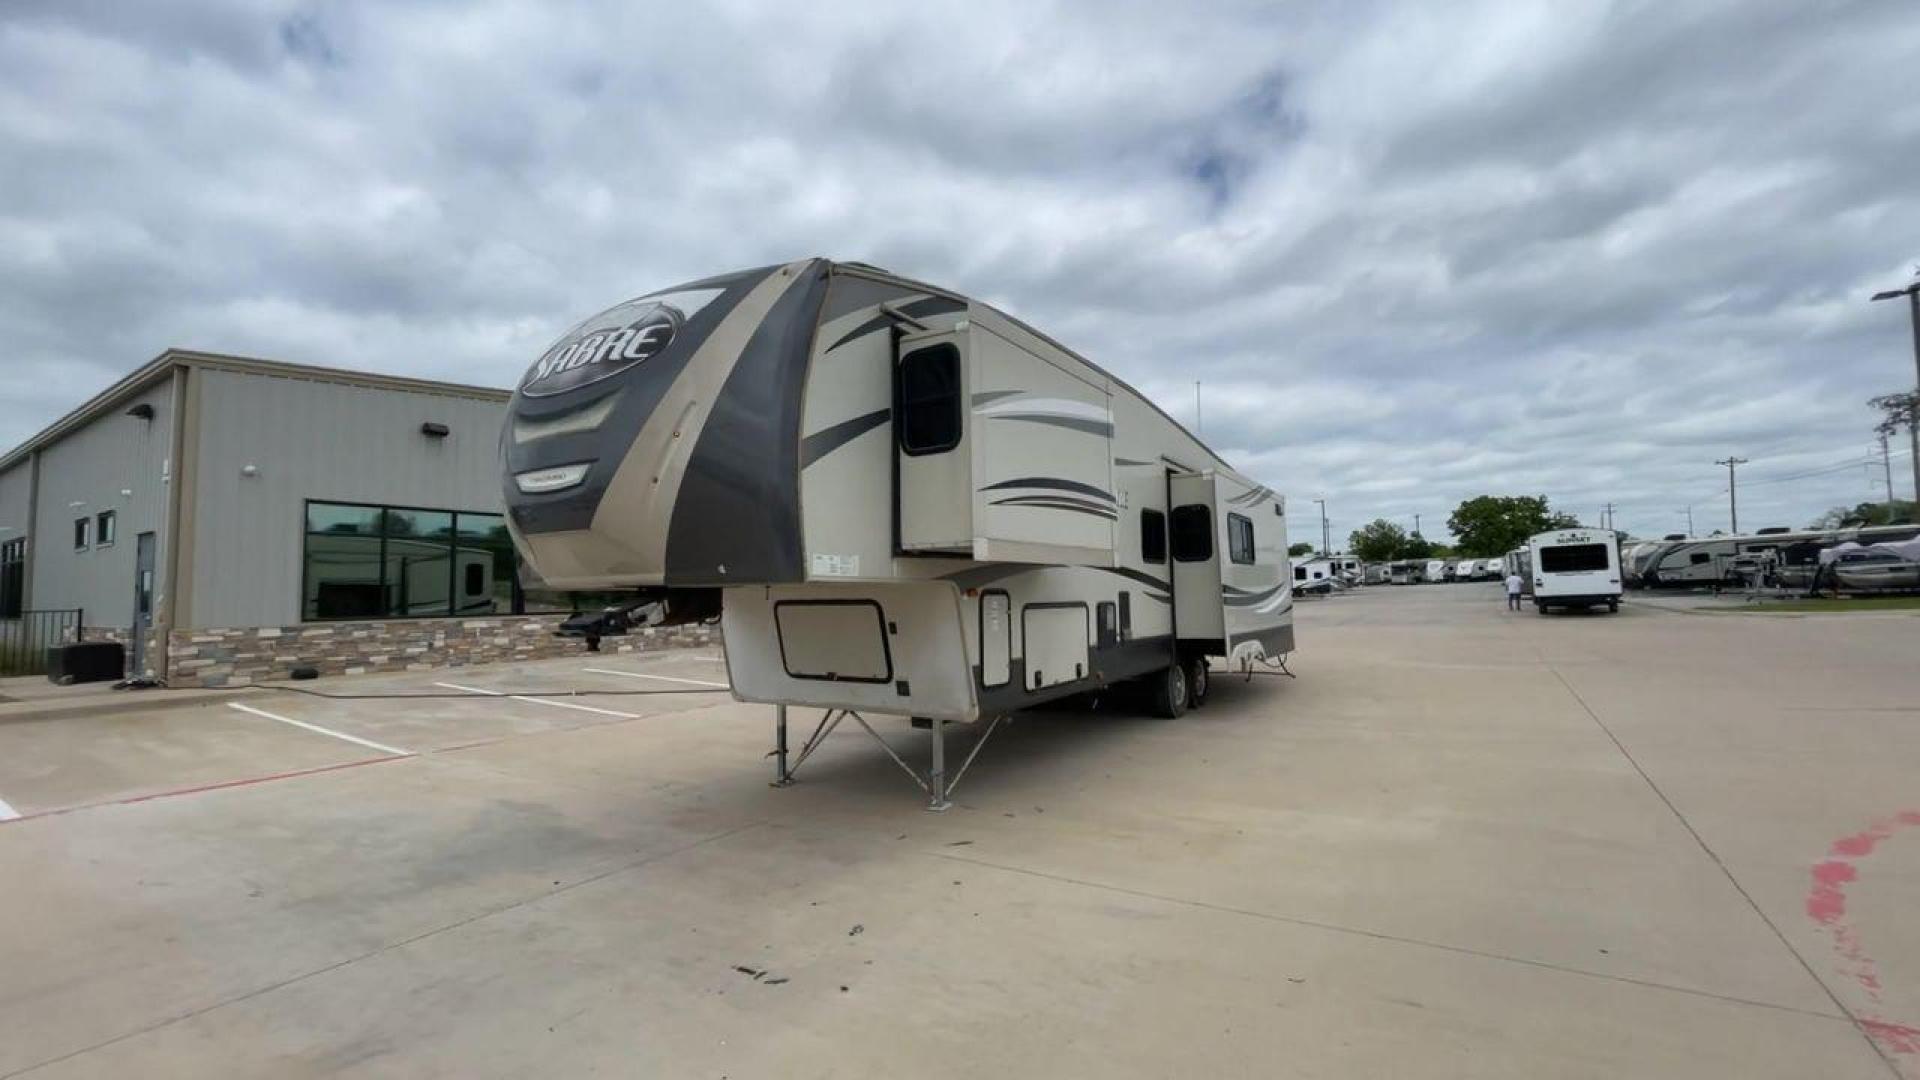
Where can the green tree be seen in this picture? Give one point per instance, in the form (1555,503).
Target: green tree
(1299,550)
(1379,541)
(1418,547)
(1490,525)
(1897,512)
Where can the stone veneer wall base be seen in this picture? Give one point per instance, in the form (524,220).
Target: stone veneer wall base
(237,657)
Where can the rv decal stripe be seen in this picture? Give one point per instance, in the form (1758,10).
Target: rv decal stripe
(1058,502)
(834,436)
(1251,599)
(1129,462)
(1136,575)
(988,397)
(1083,410)
(1091,427)
(1165,599)
(932,305)
(1052,483)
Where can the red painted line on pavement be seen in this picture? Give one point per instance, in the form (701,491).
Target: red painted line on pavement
(244,782)
(1827,905)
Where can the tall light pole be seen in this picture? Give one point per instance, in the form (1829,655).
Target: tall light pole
(1912,293)
(1416,524)
(1324,550)
(1689,521)
(1733,499)
(1199,425)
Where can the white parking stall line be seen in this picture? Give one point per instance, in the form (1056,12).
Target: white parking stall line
(7,813)
(541,701)
(662,678)
(317,729)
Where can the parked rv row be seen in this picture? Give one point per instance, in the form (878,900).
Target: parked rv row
(1325,574)
(1873,559)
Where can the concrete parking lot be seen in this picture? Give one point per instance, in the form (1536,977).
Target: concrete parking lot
(1463,843)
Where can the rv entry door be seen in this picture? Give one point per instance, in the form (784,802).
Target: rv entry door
(1193,539)
(933,483)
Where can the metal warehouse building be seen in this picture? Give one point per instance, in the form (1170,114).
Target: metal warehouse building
(231,518)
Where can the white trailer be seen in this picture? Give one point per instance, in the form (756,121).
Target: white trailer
(1436,570)
(1464,569)
(895,499)
(1575,568)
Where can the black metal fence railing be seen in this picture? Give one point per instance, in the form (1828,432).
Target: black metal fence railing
(24,640)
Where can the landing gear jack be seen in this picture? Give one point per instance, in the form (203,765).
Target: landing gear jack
(935,783)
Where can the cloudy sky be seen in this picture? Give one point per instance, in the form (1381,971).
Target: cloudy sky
(1414,252)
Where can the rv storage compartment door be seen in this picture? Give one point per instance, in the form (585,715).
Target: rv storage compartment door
(934,488)
(1193,529)
(1043,487)
(833,639)
(1055,637)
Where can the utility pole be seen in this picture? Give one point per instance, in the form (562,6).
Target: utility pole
(1912,293)
(1416,524)
(1886,466)
(1199,425)
(1606,517)
(1324,539)
(1733,497)
(1689,521)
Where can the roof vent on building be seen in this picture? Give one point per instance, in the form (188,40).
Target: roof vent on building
(143,410)
(434,431)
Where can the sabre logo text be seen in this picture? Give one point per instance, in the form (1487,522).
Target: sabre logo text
(598,350)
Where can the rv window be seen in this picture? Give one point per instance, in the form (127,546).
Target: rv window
(1239,539)
(929,402)
(1153,536)
(1699,557)
(1192,533)
(1299,573)
(1573,558)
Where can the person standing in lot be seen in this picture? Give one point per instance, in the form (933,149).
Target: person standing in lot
(1514,584)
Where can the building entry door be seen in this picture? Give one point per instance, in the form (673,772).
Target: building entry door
(142,602)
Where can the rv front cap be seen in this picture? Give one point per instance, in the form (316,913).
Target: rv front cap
(604,346)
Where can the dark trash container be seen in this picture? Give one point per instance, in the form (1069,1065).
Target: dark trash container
(86,661)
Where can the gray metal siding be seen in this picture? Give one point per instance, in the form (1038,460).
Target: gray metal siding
(317,440)
(116,463)
(16,488)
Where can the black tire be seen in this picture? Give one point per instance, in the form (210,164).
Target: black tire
(1540,609)
(1169,689)
(1613,606)
(1198,678)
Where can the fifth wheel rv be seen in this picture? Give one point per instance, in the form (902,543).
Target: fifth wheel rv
(895,499)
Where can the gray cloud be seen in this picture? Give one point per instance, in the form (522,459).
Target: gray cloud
(1415,253)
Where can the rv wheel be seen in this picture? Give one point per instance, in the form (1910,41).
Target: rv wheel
(1169,691)
(1613,606)
(1196,681)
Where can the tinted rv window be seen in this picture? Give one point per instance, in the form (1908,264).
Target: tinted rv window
(1239,539)
(1153,536)
(1192,533)
(1699,557)
(930,400)
(1573,558)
